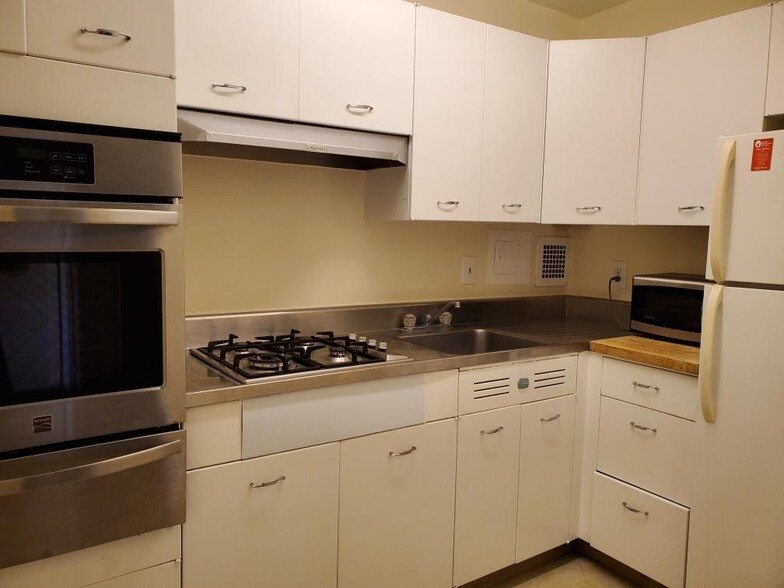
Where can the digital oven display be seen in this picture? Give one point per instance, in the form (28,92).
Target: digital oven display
(37,160)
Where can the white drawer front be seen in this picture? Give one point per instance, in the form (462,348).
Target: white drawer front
(655,388)
(655,452)
(54,30)
(502,385)
(652,541)
(44,88)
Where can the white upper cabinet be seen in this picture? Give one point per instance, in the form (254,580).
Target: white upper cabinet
(239,56)
(356,64)
(109,33)
(594,102)
(774,104)
(12,26)
(701,82)
(448,107)
(513,136)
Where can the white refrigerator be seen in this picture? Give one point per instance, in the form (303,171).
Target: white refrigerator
(736,528)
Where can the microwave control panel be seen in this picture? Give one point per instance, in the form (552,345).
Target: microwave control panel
(38,160)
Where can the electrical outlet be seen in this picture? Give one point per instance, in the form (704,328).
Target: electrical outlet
(468,271)
(618,268)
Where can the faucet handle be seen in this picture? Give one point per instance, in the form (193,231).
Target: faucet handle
(445,318)
(427,319)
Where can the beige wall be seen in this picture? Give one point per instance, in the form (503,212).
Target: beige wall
(646,249)
(267,236)
(517,15)
(638,18)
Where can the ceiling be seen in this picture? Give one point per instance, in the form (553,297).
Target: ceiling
(579,8)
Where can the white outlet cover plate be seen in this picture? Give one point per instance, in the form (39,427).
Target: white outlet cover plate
(509,257)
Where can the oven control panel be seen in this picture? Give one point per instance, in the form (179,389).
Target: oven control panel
(38,160)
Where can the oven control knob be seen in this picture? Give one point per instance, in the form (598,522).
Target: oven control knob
(352,336)
(362,339)
(372,343)
(382,345)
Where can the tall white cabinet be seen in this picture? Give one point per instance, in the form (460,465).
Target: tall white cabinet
(513,127)
(12,26)
(356,64)
(702,82)
(594,101)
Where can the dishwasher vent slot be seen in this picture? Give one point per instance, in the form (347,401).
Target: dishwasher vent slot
(496,387)
(549,379)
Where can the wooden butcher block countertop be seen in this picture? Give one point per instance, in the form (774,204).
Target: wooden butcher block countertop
(663,354)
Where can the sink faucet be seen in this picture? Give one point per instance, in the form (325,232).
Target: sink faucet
(430,318)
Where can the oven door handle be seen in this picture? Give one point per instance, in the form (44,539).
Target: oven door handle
(90,470)
(89,215)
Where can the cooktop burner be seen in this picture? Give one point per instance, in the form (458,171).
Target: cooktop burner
(290,354)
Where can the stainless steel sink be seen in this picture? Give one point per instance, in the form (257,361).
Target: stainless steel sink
(469,341)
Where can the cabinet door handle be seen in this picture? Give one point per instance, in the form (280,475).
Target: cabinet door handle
(551,419)
(492,431)
(641,428)
(691,207)
(227,86)
(635,510)
(589,208)
(645,386)
(454,203)
(406,452)
(105,32)
(513,205)
(269,483)
(365,108)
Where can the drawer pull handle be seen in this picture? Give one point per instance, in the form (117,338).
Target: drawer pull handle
(690,208)
(551,419)
(227,86)
(513,205)
(492,431)
(589,209)
(406,452)
(453,203)
(270,483)
(645,386)
(105,32)
(365,107)
(641,428)
(635,510)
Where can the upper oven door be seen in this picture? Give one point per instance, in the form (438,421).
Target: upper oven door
(91,319)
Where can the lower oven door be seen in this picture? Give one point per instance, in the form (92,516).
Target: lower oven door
(61,501)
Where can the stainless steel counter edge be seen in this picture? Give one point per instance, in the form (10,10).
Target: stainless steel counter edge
(423,361)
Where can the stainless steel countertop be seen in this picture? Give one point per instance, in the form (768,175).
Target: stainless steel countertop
(205,386)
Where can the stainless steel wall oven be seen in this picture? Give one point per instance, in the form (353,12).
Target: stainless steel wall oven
(92,393)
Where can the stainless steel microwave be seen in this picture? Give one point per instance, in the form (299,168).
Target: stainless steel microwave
(668,306)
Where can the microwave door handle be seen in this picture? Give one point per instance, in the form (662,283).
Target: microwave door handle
(20,213)
(90,470)
(718,233)
(708,354)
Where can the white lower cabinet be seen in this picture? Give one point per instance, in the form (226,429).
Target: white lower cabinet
(488,465)
(640,529)
(546,464)
(397,498)
(265,522)
(163,576)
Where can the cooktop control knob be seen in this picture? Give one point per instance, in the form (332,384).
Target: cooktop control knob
(382,345)
(372,343)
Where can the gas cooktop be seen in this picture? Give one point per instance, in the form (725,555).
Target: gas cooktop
(291,354)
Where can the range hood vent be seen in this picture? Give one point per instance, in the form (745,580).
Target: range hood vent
(241,137)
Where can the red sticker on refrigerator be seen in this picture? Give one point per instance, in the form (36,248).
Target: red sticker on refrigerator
(762,155)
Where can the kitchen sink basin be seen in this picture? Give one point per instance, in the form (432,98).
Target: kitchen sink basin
(470,341)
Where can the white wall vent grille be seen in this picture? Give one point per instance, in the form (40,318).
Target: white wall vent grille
(552,258)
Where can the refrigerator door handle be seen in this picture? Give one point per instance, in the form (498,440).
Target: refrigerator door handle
(718,223)
(708,355)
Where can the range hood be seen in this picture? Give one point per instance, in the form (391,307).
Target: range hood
(241,137)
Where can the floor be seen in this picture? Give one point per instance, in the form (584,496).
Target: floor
(569,571)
